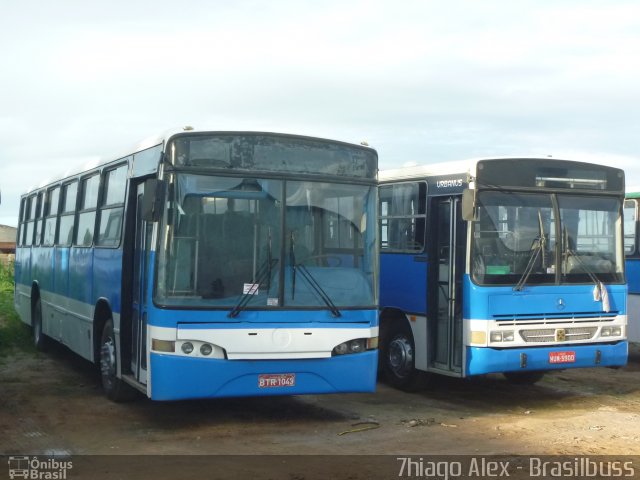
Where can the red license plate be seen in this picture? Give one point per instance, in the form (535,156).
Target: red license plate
(562,357)
(276,380)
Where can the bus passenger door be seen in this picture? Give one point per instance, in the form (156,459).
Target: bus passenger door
(445,285)
(143,232)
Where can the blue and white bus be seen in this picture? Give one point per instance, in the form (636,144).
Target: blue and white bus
(632,251)
(209,264)
(512,266)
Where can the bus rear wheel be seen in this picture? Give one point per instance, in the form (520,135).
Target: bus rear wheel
(114,387)
(398,358)
(40,340)
(523,378)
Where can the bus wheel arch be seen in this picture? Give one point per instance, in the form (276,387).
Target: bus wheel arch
(40,340)
(101,315)
(397,351)
(108,360)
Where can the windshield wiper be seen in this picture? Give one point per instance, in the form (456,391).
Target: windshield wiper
(538,247)
(568,252)
(264,273)
(313,283)
(292,262)
(600,290)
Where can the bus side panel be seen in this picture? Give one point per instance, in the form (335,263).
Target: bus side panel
(42,269)
(403,282)
(61,290)
(633,325)
(76,331)
(633,274)
(22,299)
(107,275)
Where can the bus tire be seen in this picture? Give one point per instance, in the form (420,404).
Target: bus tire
(114,387)
(40,340)
(398,358)
(523,378)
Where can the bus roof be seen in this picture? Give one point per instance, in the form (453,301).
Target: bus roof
(158,139)
(457,167)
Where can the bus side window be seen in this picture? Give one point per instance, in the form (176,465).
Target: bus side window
(403,216)
(30,219)
(630,218)
(51,216)
(23,202)
(39,219)
(67,214)
(87,210)
(112,207)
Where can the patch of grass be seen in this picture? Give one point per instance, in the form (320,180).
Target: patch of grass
(13,333)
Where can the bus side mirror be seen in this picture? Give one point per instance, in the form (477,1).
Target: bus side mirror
(468,205)
(152,200)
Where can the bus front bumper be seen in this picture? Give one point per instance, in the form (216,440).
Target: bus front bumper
(481,360)
(177,377)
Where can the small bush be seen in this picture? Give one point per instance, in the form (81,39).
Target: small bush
(13,333)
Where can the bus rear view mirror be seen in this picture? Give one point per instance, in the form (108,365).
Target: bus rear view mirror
(152,200)
(468,205)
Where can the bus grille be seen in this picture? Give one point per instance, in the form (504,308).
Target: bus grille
(548,335)
(542,319)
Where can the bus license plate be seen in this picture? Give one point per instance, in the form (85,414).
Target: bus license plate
(562,357)
(276,380)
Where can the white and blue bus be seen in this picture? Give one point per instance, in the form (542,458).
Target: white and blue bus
(512,266)
(209,264)
(632,251)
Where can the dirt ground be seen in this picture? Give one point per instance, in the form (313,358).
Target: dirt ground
(52,404)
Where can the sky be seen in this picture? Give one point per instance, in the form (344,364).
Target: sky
(420,81)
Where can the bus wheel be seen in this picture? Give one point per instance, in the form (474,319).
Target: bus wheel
(40,340)
(115,388)
(398,363)
(523,378)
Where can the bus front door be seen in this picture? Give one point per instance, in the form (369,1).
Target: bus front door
(445,285)
(143,233)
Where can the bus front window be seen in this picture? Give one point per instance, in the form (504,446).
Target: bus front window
(514,236)
(515,239)
(591,239)
(223,244)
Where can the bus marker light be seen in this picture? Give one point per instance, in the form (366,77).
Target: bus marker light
(372,343)
(163,345)
(478,337)
(187,347)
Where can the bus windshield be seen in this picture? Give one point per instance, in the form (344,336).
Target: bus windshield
(267,243)
(516,235)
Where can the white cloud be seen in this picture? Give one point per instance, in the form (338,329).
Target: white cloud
(421,81)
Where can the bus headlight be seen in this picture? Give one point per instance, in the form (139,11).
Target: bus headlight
(206,349)
(356,346)
(611,331)
(187,348)
(501,336)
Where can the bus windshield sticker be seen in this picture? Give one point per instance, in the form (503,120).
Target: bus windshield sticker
(250,289)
